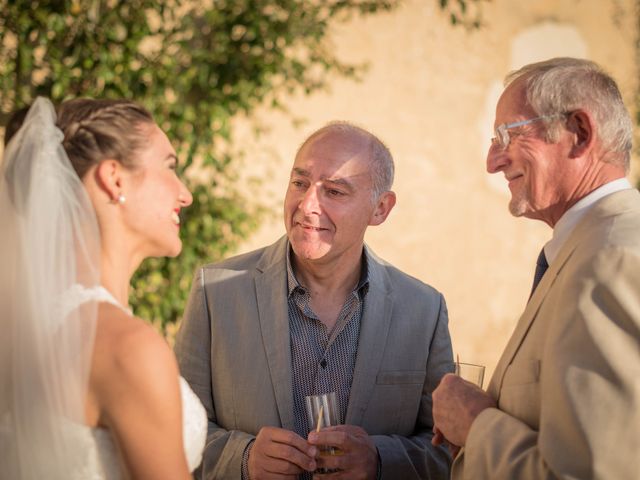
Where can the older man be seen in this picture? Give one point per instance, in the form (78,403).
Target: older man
(316,312)
(564,401)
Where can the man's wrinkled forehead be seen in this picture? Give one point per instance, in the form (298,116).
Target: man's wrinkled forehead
(335,144)
(336,179)
(513,104)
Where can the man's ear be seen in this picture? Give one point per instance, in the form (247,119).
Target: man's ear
(582,125)
(384,205)
(108,176)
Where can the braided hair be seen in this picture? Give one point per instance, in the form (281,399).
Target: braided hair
(95,130)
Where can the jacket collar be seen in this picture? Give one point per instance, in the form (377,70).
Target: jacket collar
(606,207)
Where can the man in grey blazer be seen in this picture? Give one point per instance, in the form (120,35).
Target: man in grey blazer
(315,312)
(564,401)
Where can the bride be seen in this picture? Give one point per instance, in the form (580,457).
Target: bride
(87,390)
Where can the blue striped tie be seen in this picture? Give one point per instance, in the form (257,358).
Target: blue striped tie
(541,267)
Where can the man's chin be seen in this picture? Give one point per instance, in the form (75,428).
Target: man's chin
(309,252)
(517,208)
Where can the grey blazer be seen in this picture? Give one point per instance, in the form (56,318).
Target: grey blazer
(233,349)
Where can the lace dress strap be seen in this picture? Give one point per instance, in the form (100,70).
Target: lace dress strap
(79,294)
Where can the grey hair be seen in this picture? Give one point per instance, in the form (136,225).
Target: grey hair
(382,166)
(562,85)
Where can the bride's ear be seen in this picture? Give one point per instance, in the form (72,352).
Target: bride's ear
(108,175)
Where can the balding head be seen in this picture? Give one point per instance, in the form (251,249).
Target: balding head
(359,139)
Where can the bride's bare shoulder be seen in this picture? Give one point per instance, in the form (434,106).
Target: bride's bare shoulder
(130,360)
(116,329)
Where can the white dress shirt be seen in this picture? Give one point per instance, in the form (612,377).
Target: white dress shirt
(571,217)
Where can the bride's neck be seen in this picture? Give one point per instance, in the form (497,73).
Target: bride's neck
(121,254)
(115,274)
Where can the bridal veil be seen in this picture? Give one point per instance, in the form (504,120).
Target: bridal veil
(49,244)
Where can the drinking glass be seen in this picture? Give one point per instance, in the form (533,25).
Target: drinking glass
(322,411)
(470,372)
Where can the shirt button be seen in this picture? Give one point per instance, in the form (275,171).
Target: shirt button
(323,363)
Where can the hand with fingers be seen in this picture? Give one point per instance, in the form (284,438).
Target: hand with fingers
(456,404)
(278,454)
(438,439)
(356,457)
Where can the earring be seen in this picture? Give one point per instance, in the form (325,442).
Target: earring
(121,199)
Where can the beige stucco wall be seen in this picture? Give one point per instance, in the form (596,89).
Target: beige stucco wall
(430,94)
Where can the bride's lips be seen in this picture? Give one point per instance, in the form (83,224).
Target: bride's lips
(175,216)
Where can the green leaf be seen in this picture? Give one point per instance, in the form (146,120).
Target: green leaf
(195,67)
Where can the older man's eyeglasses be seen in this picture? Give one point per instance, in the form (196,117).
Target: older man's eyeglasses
(502,137)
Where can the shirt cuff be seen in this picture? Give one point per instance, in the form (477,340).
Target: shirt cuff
(245,461)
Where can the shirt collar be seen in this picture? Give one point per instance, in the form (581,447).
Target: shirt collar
(571,217)
(293,284)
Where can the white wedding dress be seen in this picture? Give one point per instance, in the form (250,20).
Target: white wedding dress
(51,241)
(99,459)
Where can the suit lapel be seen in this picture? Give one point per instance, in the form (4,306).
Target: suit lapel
(611,204)
(529,314)
(522,327)
(374,327)
(271,294)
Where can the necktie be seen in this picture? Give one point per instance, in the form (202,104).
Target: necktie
(541,267)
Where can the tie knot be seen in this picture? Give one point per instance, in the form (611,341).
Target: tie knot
(542,260)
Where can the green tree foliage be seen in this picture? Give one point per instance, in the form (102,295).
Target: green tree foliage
(195,65)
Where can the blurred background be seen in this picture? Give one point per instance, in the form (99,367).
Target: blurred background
(239,85)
